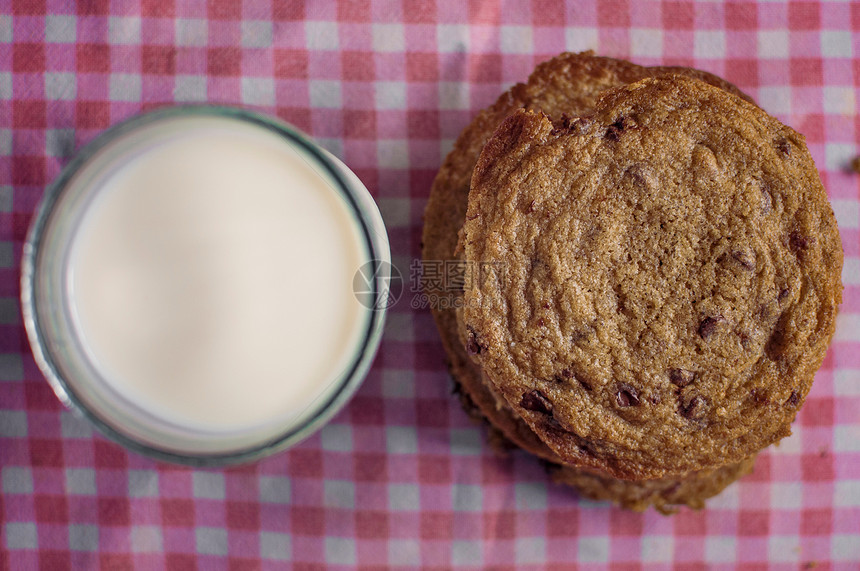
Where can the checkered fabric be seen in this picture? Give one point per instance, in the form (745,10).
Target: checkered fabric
(401,478)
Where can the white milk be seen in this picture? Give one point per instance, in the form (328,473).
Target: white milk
(211,278)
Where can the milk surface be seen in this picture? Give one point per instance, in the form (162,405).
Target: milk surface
(211,278)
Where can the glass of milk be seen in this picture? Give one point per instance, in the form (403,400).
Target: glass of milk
(188,284)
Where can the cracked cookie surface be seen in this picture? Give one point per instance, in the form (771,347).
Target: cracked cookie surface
(567,84)
(570,84)
(662,277)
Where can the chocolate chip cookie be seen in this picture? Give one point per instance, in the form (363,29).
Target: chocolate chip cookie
(665,494)
(568,84)
(659,279)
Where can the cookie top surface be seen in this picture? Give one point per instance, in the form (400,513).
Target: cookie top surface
(656,284)
(567,84)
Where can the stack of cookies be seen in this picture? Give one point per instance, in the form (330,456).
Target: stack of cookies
(649,276)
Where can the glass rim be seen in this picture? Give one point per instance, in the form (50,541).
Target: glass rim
(377,248)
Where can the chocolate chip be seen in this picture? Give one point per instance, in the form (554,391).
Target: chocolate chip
(613,132)
(625,395)
(745,259)
(793,399)
(694,408)
(473,346)
(567,125)
(561,126)
(536,401)
(784,147)
(562,377)
(708,326)
(581,125)
(681,377)
(759,396)
(541,322)
(783,293)
(778,340)
(531,207)
(566,374)
(584,384)
(799,242)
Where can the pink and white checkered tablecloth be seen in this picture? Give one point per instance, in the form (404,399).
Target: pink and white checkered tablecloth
(401,478)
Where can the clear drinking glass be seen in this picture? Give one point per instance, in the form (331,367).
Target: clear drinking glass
(57,347)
